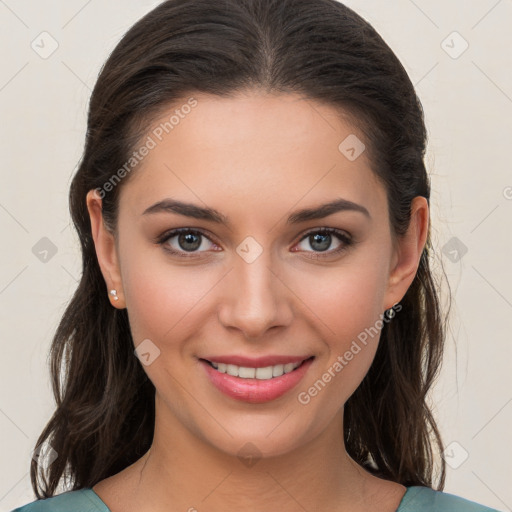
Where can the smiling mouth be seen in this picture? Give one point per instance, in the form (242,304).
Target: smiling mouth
(263,373)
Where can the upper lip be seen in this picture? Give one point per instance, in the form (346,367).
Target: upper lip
(256,362)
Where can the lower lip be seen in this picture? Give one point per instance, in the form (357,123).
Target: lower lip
(255,391)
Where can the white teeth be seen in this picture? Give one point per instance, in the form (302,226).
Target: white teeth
(231,369)
(277,370)
(246,373)
(266,373)
(288,367)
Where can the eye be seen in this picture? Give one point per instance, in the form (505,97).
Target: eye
(321,239)
(186,241)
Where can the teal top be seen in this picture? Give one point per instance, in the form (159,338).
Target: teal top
(416,499)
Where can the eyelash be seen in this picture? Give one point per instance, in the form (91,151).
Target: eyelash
(347,241)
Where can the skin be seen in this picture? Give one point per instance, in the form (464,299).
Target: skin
(255,158)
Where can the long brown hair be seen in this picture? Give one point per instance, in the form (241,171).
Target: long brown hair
(104,417)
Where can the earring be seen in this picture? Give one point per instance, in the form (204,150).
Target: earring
(390,313)
(114,294)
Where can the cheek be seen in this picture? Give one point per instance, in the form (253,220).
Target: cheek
(349,306)
(162,299)
(344,301)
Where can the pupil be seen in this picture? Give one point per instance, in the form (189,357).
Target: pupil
(188,238)
(324,241)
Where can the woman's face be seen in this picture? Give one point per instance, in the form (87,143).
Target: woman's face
(257,283)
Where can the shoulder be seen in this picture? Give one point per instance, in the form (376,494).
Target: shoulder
(426,499)
(82,500)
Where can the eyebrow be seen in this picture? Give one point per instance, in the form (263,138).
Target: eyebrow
(212,215)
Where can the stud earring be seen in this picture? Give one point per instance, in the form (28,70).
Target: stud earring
(390,313)
(114,294)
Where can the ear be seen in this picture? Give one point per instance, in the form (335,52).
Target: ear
(106,250)
(407,254)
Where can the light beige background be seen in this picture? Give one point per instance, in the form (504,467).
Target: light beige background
(467,99)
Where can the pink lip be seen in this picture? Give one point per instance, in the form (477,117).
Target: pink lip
(255,391)
(256,362)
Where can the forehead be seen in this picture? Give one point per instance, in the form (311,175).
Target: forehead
(283,148)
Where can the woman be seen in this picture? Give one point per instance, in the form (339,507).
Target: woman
(253,209)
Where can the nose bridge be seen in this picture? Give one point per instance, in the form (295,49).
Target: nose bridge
(256,299)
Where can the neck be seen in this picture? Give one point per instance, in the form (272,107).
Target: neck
(183,472)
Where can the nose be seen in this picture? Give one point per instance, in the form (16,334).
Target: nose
(255,299)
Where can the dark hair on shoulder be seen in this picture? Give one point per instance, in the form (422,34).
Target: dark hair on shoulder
(324,51)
